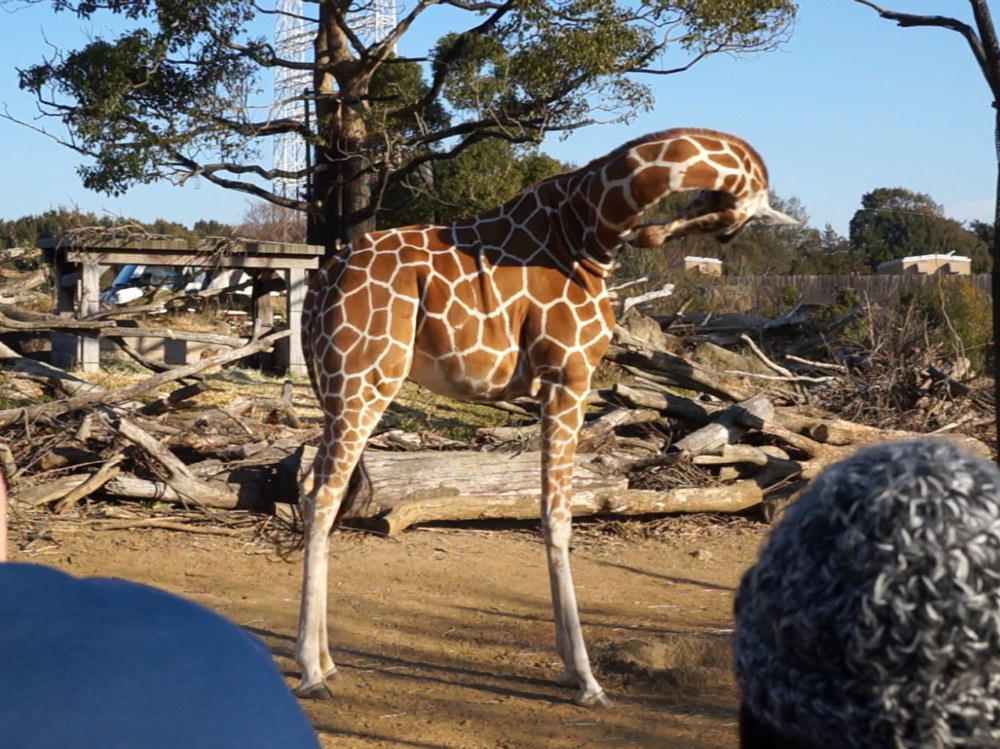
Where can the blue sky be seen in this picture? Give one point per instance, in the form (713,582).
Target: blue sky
(851,103)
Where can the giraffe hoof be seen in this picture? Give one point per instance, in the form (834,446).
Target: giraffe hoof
(592,699)
(318,691)
(566,679)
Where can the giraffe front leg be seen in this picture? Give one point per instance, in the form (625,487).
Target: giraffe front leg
(654,235)
(562,415)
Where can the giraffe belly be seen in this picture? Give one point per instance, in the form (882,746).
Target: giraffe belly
(480,375)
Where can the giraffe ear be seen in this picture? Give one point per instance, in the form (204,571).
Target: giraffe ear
(770,217)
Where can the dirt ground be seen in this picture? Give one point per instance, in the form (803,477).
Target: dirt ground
(444,636)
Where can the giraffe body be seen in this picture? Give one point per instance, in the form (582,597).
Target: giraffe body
(507,303)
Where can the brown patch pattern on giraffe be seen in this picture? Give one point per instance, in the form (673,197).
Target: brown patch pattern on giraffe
(699,173)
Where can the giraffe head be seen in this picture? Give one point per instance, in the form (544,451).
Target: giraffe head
(745,210)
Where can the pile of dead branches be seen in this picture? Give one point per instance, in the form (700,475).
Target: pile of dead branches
(698,413)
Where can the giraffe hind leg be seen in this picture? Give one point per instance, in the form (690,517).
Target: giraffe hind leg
(320,508)
(327,667)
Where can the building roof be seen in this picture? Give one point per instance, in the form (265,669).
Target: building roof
(918,258)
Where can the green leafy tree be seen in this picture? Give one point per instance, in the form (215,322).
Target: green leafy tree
(170,96)
(956,315)
(894,223)
(167,228)
(829,253)
(27,230)
(484,175)
(211,228)
(487,174)
(983,230)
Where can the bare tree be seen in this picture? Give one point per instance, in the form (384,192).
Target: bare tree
(270,222)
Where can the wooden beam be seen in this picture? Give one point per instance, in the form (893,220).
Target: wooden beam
(296,284)
(200,247)
(89,349)
(194,259)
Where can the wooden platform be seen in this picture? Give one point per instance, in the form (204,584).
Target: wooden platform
(79,264)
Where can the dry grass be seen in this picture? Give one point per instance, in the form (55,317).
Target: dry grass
(414,409)
(677,666)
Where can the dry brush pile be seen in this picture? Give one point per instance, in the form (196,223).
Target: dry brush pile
(717,413)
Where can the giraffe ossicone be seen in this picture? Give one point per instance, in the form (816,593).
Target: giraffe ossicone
(507,303)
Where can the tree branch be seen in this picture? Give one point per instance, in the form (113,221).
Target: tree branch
(975,44)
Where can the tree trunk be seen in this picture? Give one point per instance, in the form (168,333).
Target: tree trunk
(339,190)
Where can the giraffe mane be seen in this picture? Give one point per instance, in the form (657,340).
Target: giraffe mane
(674,132)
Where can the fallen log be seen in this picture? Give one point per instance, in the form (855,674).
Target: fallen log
(168,401)
(730,498)
(660,399)
(770,463)
(119,485)
(94,482)
(409,488)
(592,434)
(841,433)
(221,497)
(40,494)
(185,485)
(728,427)
(398,477)
(679,372)
(649,296)
(45,374)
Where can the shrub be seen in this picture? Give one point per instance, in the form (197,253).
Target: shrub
(958,314)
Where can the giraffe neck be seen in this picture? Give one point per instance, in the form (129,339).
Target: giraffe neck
(581,227)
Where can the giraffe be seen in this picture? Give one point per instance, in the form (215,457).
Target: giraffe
(504,304)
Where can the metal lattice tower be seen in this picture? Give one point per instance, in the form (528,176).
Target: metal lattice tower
(293,35)
(373,20)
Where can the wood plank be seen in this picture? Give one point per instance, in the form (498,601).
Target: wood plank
(201,247)
(195,259)
(282,248)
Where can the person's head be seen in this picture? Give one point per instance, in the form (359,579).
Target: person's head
(872,617)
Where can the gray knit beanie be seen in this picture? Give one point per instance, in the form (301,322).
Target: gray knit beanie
(872,617)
